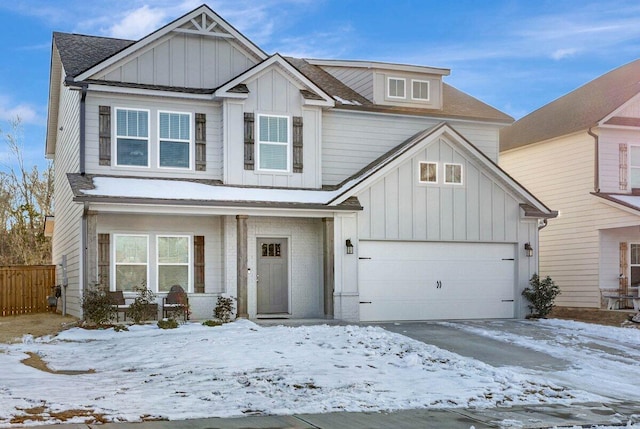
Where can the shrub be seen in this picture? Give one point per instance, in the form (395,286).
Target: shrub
(212,323)
(142,309)
(223,309)
(167,324)
(96,305)
(541,295)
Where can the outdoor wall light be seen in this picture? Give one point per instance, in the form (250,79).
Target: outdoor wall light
(349,246)
(528,249)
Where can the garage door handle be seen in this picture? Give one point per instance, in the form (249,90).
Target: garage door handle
(362,257)
(507,300)
(365,302)
(508,259)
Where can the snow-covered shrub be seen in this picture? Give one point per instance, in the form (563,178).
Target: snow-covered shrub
(224,309)
(96,305)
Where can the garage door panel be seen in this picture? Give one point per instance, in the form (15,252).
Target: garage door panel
(428,281)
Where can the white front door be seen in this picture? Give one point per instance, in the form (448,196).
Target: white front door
(430,281)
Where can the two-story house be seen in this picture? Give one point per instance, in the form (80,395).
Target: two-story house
(353,190)
(581,154)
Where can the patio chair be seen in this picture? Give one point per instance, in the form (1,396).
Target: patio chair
(116,298)
(176,302)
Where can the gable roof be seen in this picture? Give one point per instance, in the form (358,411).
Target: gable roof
(79,52)
(578,110)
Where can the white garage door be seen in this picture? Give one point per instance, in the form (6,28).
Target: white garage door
(430,281)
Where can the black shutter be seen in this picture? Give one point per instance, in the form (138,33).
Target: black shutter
(198,264)
(201,142)
(249,142)
(105,135)
(103,259)
(297,144)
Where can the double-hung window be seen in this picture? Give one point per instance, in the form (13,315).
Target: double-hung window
(174,140)
(428,172)
(132,137)
(396,87)
(634,164)
(174,257)
(453,174)
(420,90)
(131,261)
(273,143)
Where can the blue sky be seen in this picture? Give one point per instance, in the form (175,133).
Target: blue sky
(515,55)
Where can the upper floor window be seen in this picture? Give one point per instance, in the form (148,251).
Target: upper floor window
(174,140)
(428,172)
(420,90)
(634,164)
(132,137)
(453,174)
(396,87)
(273,143)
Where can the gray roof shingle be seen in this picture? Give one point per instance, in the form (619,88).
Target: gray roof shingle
(79,52)
(576,111)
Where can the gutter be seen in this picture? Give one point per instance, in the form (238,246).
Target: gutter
(596,162)
(85,241)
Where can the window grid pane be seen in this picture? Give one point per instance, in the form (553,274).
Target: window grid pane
(396,88)
(428,172)
(273,129)
(420,90)
(175,134)
(273,156)
(453,173)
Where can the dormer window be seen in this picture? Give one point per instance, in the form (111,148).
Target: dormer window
(420,90)
(273,143)
(453,174)
(396,87)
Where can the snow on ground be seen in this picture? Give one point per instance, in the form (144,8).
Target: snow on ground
(243,369)
(604,359)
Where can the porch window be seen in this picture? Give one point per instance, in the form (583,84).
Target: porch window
(174,259)
(428,172)
(132,137)
(634,264)
(453,174)
(273,143)
(634,164)
(131,261)
(175,139)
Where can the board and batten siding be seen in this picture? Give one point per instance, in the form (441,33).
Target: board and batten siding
(353,140)
(609,148)
(398,207)
(357,78)
(272,93)
(181,60)
(68,215)
(213,112)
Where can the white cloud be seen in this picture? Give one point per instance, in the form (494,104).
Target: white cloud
(28,114)
(559,54)
(137,23)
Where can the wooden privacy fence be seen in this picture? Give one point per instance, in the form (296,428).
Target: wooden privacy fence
(24,288)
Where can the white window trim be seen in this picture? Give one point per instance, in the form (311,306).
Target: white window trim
(420,176)
(189,263)
(445,174)
(428,90)
(115,133)
(115,264)
(288,144)
(389,79)
(190,141)
(630,147)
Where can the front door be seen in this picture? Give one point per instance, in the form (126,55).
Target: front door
(273,276)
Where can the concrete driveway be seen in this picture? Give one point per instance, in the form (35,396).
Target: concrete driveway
(587,359)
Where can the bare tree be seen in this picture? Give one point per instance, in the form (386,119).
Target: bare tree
(26,197)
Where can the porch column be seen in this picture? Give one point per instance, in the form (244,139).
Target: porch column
(328,265)
(241,222)
(92,249)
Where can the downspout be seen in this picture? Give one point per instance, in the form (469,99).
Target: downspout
(596,163)
(85,244)
(83,114)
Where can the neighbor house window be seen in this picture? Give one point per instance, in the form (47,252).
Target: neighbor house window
(634,264)
(131,261)
(428,172)
(634,164)
(420,90)
(396,87)
(174,140)
(273,143)
(453,174)
(132,137)
(174,258)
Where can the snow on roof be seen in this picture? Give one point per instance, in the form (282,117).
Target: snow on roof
(185,190)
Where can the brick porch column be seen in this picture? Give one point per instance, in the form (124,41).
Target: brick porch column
(241,225)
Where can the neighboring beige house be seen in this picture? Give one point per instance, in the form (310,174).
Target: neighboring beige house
(581,155)
(305,188)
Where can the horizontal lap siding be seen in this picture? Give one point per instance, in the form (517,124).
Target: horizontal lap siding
(66,235)
(610,141)
(213,112)
(353,140)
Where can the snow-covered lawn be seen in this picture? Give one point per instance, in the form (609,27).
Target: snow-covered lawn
(243,369)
